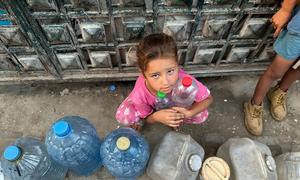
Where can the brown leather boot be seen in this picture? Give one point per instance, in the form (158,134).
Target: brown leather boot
(277,98)
(253,118)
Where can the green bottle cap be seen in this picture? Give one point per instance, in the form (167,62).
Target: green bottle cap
(161,94)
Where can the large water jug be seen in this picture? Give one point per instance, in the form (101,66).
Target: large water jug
(1,172)
(184,92)
(248,159)
(288,166)
(73,142)
(125,153)
(27,159)
(162,101)
(177,157)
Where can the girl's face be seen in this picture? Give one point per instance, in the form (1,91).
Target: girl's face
(161,75)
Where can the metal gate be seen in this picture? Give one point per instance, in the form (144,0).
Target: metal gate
(84,40)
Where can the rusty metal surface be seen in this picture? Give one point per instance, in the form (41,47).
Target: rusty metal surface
(81,40)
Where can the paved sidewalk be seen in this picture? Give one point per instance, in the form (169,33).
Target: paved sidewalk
(29,110)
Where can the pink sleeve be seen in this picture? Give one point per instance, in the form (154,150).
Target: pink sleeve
(136,106)
(203,92)
(143,109)
(130,111)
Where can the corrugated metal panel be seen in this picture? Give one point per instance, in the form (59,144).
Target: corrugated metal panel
(96,39)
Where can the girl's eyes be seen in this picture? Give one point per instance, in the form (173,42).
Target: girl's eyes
(171,71)
(155,76)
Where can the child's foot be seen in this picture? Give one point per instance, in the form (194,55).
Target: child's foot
(138,126)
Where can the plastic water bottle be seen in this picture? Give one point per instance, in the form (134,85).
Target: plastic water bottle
(177,157)
(288,166)
(248,159)
(125,153)
(162,101)
(184,92)
(73,142)
(27,159)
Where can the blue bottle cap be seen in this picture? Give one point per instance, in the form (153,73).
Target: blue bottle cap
(61,128)
(112,88)
(12,153)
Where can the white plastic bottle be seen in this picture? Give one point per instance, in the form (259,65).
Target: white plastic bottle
(184,92)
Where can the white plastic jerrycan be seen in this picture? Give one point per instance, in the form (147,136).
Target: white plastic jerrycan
(177,157)
(248,159)
(288,166)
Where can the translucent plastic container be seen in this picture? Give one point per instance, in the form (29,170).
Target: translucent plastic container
(162,101)
(125,153)
(248,159)
(184,92)
(288,166)
(2,176)
(73,142)
(1,172)
(27,159)
(177,157)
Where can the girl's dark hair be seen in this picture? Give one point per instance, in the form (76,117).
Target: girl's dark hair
(158,45)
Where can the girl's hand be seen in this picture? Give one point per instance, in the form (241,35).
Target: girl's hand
(279,20)
(187,113)
(169,117)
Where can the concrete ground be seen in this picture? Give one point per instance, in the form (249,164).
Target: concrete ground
(29,110)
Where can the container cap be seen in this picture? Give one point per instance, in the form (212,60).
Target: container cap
(12,153)
(270,162)
(215,168)
(112,88)
(187,81)
(161,94)
(123,143)
(195,162)
(61,128)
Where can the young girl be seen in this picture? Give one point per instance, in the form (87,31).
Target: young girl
(157,62)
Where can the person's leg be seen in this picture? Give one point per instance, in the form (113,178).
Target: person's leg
(289,77)
(287,47)
(254,109)
(275,71)
(278,94)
